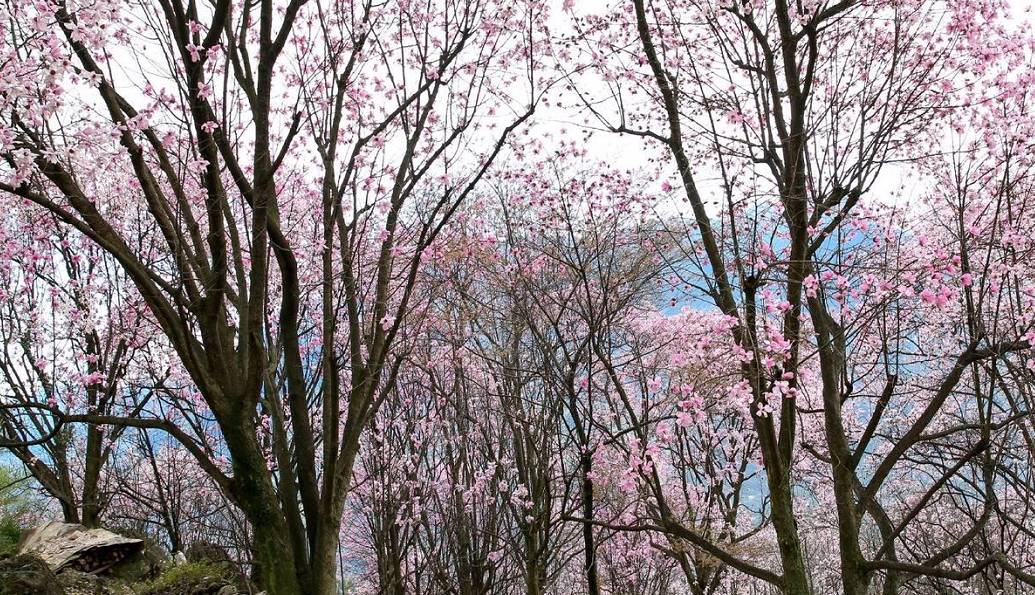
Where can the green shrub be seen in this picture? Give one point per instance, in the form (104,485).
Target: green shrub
(10,534)
(189,578)
(15,502)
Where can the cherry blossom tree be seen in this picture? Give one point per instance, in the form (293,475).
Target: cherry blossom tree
(249,140)
(73,342)
(801,111)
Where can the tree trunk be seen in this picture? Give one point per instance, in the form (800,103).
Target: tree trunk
(278,563)
(325,561)
(324,558)
(534,571)
(91,477)
(592,582)
(796,579)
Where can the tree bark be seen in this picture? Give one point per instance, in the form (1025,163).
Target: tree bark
(592,582)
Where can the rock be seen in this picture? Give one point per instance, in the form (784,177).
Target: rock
(153,559)
(134,569)
(206,551)
(70,546)
(216,556)
(179,559)
(81,583)
(27,574)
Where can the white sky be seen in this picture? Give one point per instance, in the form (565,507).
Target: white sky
(633,152)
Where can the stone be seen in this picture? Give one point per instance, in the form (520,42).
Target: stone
(153,559)
(74,582)
(206,551)
(26,573)
(71,546)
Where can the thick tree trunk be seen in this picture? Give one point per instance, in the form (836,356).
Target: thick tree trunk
(324,558)
(535,573)
(324,563)
(796,579)
(69,512)
(855,577)
(91,477)
(278,563)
